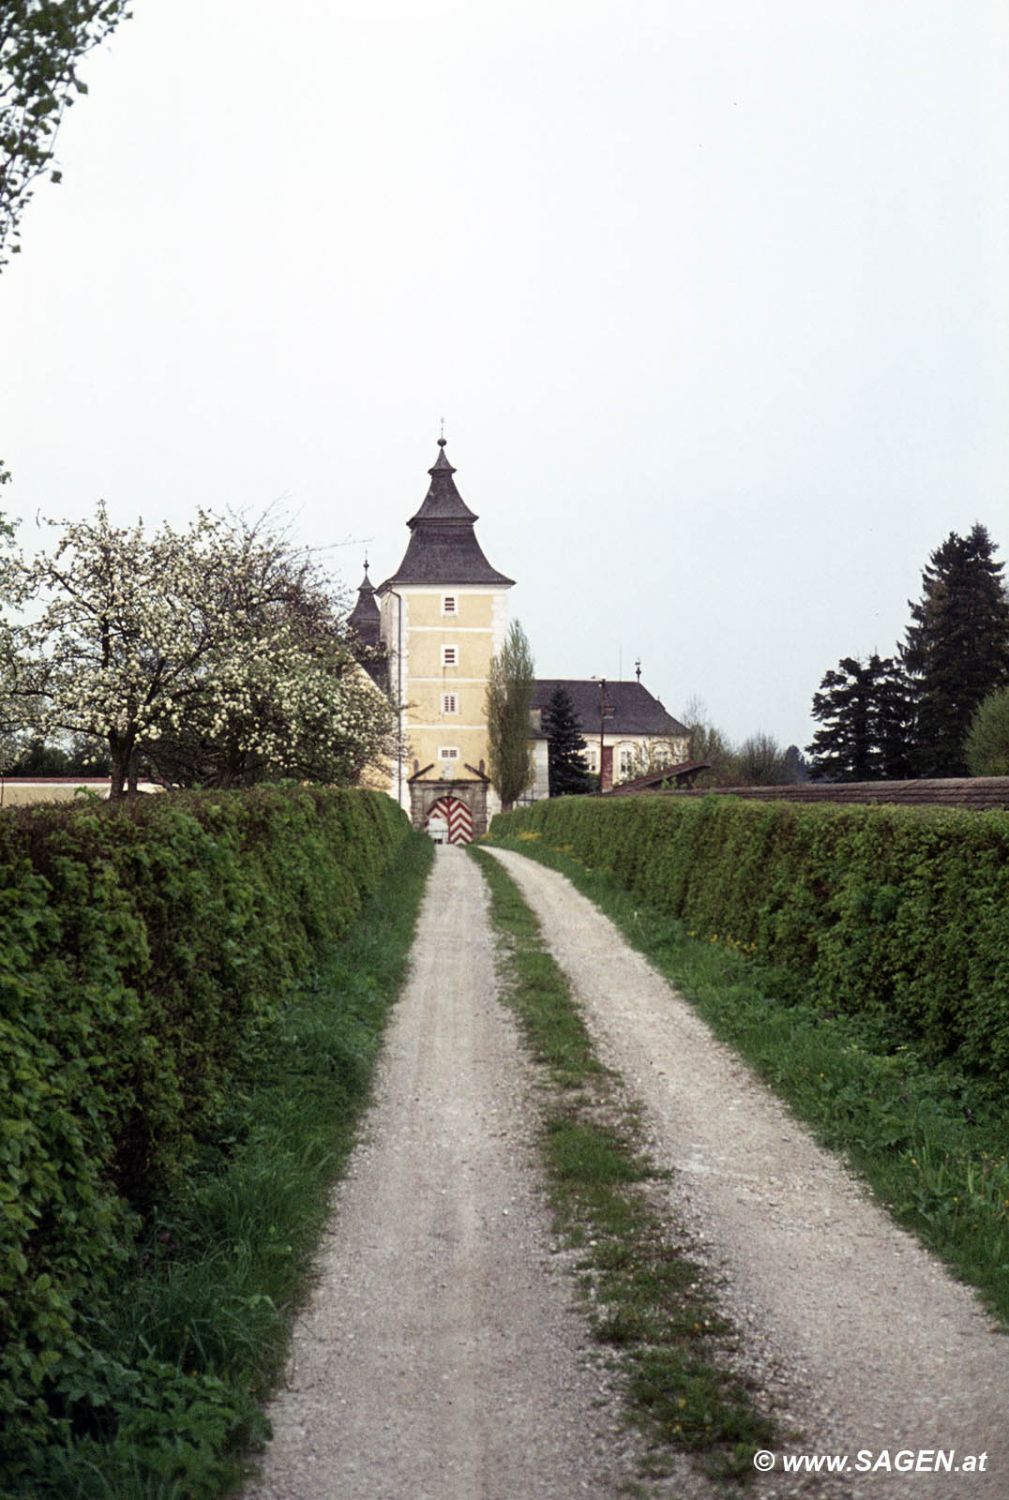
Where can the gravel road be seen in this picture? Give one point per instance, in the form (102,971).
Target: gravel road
(442,1357)
(860,1337)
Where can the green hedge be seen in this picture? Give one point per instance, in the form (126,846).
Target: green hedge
(145,951)
(899,912)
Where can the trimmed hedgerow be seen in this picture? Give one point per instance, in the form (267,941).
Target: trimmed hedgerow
(147,951)
(901,913)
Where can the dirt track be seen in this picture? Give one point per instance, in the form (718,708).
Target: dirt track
(859,1334)
(441,1357)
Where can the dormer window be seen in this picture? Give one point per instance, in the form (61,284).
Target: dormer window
(448,604)
(450,656)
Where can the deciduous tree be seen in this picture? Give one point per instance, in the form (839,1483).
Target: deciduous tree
(214,654)
(707,743)
(987,746)
(510,687)
(14,700)
(761,761)
(41,46)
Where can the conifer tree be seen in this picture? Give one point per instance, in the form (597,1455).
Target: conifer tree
(569,770)
(796,765)
(863,709)
(956,649)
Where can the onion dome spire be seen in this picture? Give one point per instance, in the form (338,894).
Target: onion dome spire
(443,548)
(365,620)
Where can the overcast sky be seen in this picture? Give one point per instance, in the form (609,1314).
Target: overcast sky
(713,298)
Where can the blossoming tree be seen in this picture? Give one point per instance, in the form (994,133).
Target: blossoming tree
(216,655)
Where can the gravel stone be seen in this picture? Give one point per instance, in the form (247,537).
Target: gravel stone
(860,1338)
(442,1356)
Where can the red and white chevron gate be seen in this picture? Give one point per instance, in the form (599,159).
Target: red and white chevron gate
(457,816)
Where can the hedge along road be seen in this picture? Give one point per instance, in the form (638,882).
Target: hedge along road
(861,1338)
(441,1357)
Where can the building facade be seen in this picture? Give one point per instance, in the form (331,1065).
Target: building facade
(626,730)
(429,632)
(442,615)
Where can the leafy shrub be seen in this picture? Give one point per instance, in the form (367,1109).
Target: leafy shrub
(901,913)
(986,748)
(146,951)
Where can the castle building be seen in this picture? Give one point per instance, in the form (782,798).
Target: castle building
(443,615)
(429,633)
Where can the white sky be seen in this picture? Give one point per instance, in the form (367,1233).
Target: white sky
(714,299)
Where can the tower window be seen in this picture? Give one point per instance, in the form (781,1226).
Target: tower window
(448,752)
(448,604)
(450,656)
(449,703)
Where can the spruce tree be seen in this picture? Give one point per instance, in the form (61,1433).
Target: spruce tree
(956,649)
(895,721)
(864,712)
(569,771)
(796,765)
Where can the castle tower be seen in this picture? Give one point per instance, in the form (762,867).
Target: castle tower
(444,613)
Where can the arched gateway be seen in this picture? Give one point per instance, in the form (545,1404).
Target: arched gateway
(450,821)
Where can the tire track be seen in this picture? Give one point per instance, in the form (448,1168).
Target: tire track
(441,1357)
(861,1338)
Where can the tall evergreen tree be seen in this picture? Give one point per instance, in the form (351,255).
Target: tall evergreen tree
(796,765)
(956,649)
(569,770)
(895,721)
(863,710)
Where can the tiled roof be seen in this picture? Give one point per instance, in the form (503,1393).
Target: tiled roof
(443,548)
(979,793)
(366,620)
(633,709)
(683,774)
(443,501)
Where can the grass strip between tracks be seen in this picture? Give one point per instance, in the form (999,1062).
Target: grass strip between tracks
(930,1139)
(648,1295)
(227,1264)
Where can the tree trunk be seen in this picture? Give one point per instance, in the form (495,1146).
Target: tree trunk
(121,752)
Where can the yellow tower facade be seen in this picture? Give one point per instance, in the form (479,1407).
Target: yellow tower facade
(444,614)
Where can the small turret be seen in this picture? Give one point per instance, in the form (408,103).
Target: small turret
(365,620)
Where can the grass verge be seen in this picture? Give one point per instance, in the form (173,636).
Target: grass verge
(199,1330)
(648,1298)
(930,1139)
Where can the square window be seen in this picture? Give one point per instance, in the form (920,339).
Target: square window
(448,606)
(450,656)
(449,703)
(449,752)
